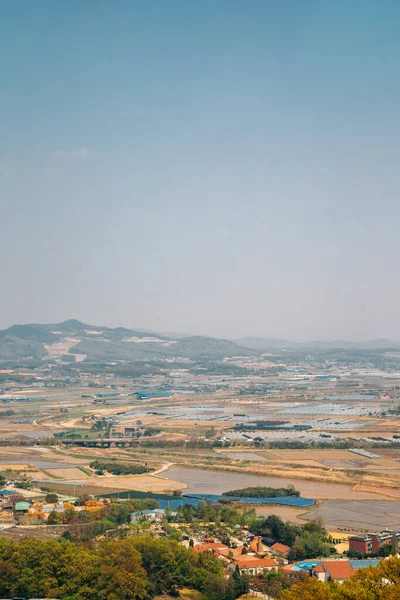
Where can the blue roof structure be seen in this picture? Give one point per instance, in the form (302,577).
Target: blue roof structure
(364,563)
(6,493)
(148,395)
(296,501)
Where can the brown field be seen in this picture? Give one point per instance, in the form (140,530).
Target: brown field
(69,473)
(116,483)
(389,492)
(390,453)
(143,483)
(21,467)
(317,454)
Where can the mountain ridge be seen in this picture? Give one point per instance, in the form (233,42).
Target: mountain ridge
(102,344)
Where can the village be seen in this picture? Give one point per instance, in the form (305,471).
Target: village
(250,546)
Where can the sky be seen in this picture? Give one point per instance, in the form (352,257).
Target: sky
(225,168)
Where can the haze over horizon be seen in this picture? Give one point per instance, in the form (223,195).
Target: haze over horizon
(226,169)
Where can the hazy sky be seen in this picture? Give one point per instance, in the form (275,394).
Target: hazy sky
(219,167)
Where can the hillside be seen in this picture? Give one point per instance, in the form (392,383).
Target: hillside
(206,347)
(13,348)
(102,344)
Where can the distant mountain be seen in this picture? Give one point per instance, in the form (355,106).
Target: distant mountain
(107,344)
(33,333)
(259,343)
(206,347)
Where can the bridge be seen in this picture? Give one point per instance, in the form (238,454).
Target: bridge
(124,442)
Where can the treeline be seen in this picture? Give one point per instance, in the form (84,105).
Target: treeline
(119,468)
(265,425)
(137,568)
(6,413)
(263,492)
(211,513)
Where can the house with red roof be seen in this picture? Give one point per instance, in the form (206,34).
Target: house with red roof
(280,549)
(254,566)
(340,570)
(214,547)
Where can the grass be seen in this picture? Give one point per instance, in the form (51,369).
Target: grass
(86,471)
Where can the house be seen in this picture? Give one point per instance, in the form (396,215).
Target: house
(232,553)
(280,549)
(156,515)
(318,572)
(258,547)
(337,570)
(11,497)
(254,566)
(21,508)
(215,547)
(340,570)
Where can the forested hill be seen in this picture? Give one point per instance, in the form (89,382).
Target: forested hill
(137,568)
(96,343)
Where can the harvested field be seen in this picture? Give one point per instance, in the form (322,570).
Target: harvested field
(144,483)
(317,454)
(22,467)
(344,464)
(247,456)
(71,489)
(68,473)
(302,463)
(389,492)
(115,483)
(393,453)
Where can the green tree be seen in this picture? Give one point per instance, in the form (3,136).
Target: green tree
(53,517)
(51,498)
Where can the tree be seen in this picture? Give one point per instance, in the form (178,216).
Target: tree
(220,589)
(387,550)
(310,589)
(69,514)
(240,583)
(354,554)
(53,517)
(51,498)
(136,568)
